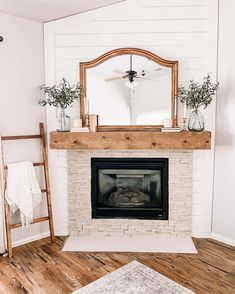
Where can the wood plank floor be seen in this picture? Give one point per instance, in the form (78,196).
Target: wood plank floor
(41,268)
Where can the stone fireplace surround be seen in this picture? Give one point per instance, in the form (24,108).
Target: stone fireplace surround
(180,196)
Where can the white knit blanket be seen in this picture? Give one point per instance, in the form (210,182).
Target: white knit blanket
(23,190)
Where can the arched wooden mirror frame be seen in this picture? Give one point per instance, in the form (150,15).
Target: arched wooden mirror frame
(135,51)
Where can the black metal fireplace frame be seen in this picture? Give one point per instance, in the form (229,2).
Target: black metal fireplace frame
(129,213)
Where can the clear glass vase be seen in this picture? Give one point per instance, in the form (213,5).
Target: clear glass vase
(196,121)
(64,121)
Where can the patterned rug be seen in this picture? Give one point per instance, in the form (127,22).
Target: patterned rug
(134,278)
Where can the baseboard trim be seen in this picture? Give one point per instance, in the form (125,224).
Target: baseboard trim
(216,237)
(201,235)
(223,239)
(61,233)
(38,237)
(30,239)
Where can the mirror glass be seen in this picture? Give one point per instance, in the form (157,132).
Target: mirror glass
(129,90)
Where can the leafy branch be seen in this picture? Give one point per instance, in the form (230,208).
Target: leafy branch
(62,95)
(198,95)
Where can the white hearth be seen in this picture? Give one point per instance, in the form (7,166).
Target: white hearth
(146,243)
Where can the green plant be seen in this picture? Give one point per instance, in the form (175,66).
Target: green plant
(197,95)
(62,95)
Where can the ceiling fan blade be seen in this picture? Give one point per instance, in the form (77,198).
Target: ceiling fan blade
(119,72)
(113,79)
(156,70)
(155,74)
(147,79)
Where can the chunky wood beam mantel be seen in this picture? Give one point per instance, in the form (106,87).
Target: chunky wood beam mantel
(131,140)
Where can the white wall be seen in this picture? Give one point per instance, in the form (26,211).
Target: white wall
(99,92)
(223,226)
(21,74)
(183,30)
(156,96)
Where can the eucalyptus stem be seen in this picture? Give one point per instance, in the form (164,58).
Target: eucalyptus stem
(61,96)
(198,95)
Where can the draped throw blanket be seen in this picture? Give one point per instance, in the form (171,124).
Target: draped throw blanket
(23,190)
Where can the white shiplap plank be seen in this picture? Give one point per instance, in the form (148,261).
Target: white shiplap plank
(161,13)
(133,26)
(163,51)
(124,40)
(191,74)
(72,76)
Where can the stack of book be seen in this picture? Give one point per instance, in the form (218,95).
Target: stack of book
(80,130)
(170,130)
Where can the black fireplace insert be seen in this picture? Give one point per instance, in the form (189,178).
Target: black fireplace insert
(129,188)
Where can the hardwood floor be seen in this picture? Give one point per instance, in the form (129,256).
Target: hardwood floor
(41,268)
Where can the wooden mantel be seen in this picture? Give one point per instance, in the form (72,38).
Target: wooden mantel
(131,140)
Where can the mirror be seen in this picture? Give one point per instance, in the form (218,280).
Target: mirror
(129,88)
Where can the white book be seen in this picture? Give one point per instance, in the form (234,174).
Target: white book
(80,130)
(173,130)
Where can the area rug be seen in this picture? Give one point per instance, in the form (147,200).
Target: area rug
(134,278)
(153,244)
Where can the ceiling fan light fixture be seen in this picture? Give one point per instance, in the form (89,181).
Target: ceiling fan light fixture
(130,84)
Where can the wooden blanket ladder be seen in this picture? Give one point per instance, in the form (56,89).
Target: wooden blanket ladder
(44,164)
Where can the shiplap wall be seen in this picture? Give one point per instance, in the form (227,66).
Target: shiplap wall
(183,30)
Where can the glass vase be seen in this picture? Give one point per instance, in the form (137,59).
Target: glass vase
(64,122)
(196,121)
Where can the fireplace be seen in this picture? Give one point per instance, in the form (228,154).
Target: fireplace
(129,188)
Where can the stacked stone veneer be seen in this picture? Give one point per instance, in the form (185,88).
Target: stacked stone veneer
(180,196)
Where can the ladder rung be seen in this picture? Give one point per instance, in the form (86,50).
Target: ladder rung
(35,221)
(38,163)
(24,137)
(43,190)
(34,164)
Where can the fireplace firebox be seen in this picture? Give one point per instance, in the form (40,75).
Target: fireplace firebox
(129,188)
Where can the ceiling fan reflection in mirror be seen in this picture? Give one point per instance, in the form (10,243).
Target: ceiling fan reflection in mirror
(130,76)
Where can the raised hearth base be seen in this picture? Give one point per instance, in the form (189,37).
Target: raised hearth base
(130,244)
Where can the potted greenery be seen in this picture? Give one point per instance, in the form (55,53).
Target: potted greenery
(61,96)
(196,96)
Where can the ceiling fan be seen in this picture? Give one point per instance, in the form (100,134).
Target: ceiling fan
(130,76)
